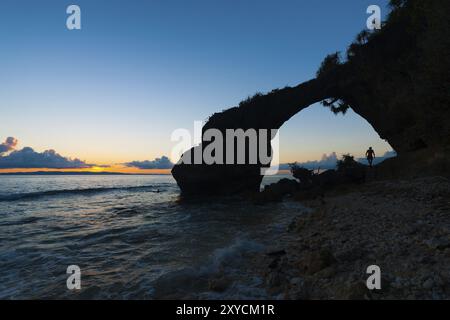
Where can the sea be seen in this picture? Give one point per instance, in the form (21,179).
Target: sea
(132,237)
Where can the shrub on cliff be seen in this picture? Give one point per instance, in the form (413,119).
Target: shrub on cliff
(300,173)
(350,170)
(347,162)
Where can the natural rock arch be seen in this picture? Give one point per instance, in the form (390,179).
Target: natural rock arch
(396,79)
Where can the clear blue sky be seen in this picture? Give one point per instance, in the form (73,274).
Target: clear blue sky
(115,90)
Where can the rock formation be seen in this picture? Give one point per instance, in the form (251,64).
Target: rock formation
(395,78)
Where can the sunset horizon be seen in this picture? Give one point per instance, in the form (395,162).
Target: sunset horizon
(112,108)
(224,159)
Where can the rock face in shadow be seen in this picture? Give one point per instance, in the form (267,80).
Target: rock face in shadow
(311,186)
(397,79)
(217,179)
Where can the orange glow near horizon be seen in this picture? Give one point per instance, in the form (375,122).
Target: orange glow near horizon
(101,169)
(95,169)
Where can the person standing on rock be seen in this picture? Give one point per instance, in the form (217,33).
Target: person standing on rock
(370,155)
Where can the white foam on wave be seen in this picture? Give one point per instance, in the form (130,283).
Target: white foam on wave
(234,253)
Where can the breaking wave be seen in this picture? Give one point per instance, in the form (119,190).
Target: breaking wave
(86,192)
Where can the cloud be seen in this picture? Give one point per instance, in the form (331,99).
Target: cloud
(329,161)
(28,158)
(326,162)
(9,144)
(159,163)
(390,154)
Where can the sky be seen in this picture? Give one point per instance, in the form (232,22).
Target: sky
(112,93)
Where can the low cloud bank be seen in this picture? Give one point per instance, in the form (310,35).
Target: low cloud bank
(27,158)
(329,161)
(159,163)
(326,162)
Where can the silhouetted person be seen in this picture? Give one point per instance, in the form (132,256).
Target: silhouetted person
(370,155)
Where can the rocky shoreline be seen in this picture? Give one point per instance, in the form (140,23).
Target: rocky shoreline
(402,226)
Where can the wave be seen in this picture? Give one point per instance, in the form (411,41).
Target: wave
(86,191)
(230,260)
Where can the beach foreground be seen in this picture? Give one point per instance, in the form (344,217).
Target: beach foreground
(401,226)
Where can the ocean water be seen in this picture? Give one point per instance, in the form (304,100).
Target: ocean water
(132,237)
